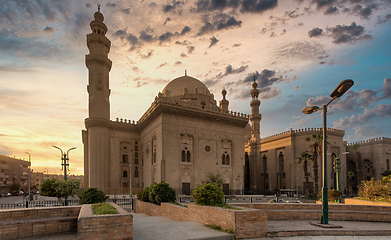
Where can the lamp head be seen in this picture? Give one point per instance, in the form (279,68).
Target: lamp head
(311,109)
(342,88)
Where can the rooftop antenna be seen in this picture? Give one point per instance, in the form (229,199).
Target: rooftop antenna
(98,7)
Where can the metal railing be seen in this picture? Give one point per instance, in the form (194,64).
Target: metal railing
(125,203)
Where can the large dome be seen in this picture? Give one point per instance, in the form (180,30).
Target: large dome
(184,85)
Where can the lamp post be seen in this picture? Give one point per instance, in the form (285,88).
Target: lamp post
(64,165)
(338,92)
(337,169)
(30,196)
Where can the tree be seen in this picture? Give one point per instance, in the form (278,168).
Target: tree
(59,188)
(209,194)
(161,192)
(386,173)
(316,149)
(305,157)
(212,178)
(356,147)
(15,188)
(92,195)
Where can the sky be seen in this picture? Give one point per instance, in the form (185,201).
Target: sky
(297,50)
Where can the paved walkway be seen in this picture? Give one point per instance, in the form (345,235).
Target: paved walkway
(151,228)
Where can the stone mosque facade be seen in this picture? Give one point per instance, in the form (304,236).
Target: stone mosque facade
(185,135)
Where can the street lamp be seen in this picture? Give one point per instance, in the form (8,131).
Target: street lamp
(337,168)
(338,92)
(64,165)
(30,196)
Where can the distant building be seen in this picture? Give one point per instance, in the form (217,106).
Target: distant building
(13,170)
(375,157)
(273,165)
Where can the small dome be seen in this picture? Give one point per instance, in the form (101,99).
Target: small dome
(177,87)
(98,16)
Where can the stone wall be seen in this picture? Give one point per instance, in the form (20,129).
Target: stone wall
(33,222)
(337,212)
(109,226)
(246,223)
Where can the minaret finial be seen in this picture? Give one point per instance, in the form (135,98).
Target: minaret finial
(185,72)
(98,7)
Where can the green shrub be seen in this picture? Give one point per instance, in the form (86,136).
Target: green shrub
(334,195)
(376,189)
(161,192)
(143,195)
(92,195)
(209,194)
(103,208)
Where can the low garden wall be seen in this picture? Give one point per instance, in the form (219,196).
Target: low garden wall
(32,222)
(337,212)
(364,202)
(108,226)
(246,223)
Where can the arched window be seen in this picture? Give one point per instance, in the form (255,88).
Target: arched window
(188,156)
(136,172)
(124,174)
(281,162)
(183,156)
(225,159)
(388,164)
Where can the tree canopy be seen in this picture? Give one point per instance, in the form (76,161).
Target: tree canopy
(59,188)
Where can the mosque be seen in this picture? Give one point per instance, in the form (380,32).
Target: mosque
(185,135)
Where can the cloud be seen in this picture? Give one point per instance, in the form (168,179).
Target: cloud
(230,70)
(148,55)
(386,89)
(264,79)
(171,7)
(49,30)
(269,93)
(331,10)
(258,5)
(319,101)
(190,49)
(212,5)
(218,23)
(213,41)
(315,32)
(301,50)
(297,87)
(364,12)
(348,34)
(383,19)
(323,3)
(381,110)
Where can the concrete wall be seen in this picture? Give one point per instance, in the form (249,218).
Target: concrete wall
(109,226)
(21,223)
(245,223)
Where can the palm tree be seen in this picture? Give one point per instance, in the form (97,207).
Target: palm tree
(305,157)
(356,147)
(316,149)
(350,179)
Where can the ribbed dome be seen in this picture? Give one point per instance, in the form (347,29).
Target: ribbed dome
(177,87)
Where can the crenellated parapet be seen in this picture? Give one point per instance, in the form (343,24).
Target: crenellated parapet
(300,132)
(169,101)
(372,141)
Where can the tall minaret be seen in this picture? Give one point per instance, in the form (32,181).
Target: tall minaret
(255,117)
(99,66)
(96,137)
(255,142)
